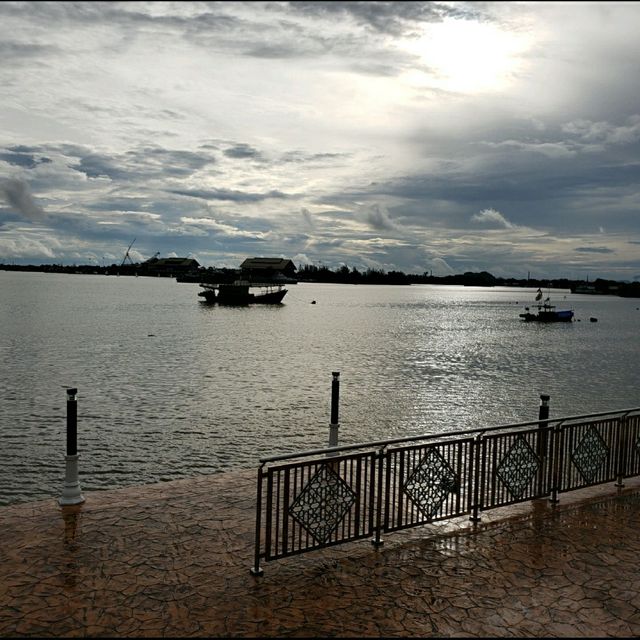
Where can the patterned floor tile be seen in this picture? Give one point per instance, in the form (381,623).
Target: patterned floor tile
(173,560)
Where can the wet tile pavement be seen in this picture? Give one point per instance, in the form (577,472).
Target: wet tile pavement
(173,559)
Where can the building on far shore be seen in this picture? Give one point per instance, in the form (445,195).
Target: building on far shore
(168,267)
(279,269)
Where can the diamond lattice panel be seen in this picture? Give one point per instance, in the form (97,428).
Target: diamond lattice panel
(517,467)
(430,483)
(323,503)
(590,454)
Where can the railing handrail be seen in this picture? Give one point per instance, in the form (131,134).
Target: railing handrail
(383,443)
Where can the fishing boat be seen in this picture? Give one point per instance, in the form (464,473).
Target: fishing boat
(545,311)
(243,292)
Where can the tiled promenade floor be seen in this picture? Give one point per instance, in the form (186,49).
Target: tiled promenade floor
(173,559)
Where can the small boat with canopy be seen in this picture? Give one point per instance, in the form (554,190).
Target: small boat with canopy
(545,311)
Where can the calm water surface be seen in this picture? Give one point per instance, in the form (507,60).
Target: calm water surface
(169,387)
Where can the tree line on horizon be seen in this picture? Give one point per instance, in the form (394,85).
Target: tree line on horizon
(345,275)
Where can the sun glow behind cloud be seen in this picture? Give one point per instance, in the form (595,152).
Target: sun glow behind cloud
(466,56)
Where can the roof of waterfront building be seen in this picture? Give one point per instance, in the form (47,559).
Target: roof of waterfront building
(274,264)
(184,262)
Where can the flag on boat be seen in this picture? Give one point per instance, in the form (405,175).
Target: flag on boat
(539,296)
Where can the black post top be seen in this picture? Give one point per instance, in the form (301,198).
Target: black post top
(72,392)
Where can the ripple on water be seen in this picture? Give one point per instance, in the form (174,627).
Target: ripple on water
(218,388)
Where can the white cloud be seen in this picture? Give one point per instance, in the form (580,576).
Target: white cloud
(223,228)
(492,217)
(605,132)
(24,246)
(439,267)
(301,258)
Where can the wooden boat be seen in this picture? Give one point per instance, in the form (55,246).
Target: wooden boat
(546,312)
(243,292)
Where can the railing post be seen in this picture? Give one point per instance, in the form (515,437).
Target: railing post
(556,457)
(256,570)
(477,445)
(71,493)
(335,403)
(378,541)
(543,428)
(623,439)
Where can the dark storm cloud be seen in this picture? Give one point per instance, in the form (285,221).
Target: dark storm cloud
(361,54)
(563,176)
(594,250)
(26,160)
(379,219)
(241,150)
(140,163)
(17,194)
(211,25)
(120,14)
(374,68)
(271,50)
(184,162)
(270,35)
(15,52)
(313,158)
(97,166)
(505,186)
(21,148)
(116,203)
(395,18)
(228,194)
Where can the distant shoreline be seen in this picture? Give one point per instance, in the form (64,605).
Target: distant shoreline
(344,275)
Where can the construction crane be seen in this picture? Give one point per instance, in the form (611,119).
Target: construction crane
(126,255)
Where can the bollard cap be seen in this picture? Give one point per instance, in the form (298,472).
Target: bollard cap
(72,392)
(544,397)
(335,374)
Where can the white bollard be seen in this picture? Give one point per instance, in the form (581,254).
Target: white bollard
(71,493)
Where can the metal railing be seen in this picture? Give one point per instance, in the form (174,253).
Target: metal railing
(324,497)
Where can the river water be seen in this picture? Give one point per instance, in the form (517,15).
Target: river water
(169,387)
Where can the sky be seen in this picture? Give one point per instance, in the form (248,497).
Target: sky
(439,137)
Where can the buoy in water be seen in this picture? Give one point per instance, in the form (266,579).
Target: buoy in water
(313,302)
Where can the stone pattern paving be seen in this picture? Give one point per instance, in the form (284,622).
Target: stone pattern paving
(173,559)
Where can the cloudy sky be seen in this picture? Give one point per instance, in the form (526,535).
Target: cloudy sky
(416,136)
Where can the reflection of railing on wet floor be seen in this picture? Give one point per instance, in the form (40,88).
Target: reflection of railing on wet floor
(326,497)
